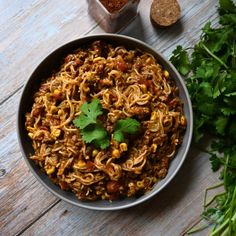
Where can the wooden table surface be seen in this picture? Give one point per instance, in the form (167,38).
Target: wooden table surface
(31,29)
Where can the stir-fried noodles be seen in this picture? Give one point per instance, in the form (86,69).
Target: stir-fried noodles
(128,83)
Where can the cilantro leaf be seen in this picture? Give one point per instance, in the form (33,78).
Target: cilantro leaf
(226,6)
(90,112)
(181,60)
(97,134)
(229,19)
(215,162)
(125,126)
(102,143)
(93,132)
(227,111)
(220,124)
(219,85)
(118,136)
(90,129)
(232,131)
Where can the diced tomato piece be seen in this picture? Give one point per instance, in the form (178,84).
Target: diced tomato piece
(121,66)
(90,166)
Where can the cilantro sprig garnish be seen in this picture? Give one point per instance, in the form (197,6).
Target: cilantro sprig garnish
(125,126)
(89,114)
(92,131)
(210,71)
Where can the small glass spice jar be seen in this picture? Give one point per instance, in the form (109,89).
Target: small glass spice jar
(113,15)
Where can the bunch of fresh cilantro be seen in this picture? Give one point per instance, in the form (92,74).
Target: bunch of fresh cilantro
(210,72)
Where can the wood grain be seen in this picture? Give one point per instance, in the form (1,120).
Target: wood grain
(30,30)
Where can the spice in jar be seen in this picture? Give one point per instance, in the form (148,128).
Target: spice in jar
(113,5)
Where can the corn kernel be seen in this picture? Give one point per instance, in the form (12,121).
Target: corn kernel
(154,115)
(50,171)
(131,184)
(115,153)
(98,192)
(123,147)
(166,74)
(57,94)
(86,89)
(56,133)
(154,179)
(143,88)
(154,147)
(140,184)
(81,164)
(53,109)
(176,141)
(56,91)
(59,112)
(30,135)
(94,152)
(106,96)
(183,120)
(97,59)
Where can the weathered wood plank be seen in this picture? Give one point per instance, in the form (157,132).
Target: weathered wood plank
(29,31)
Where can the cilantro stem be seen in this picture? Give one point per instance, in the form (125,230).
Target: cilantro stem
(216,231)
(234,55)
(225,171)
(231,210)
(213,199)
(210,188)
(229,221)
(214,56)
(195,230)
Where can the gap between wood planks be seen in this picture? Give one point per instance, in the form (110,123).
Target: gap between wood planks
(11,95)
(37,218)
(190,225)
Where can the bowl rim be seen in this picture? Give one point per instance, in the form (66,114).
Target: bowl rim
(153,192)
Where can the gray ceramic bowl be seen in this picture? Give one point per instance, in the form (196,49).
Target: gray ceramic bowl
(44,70)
